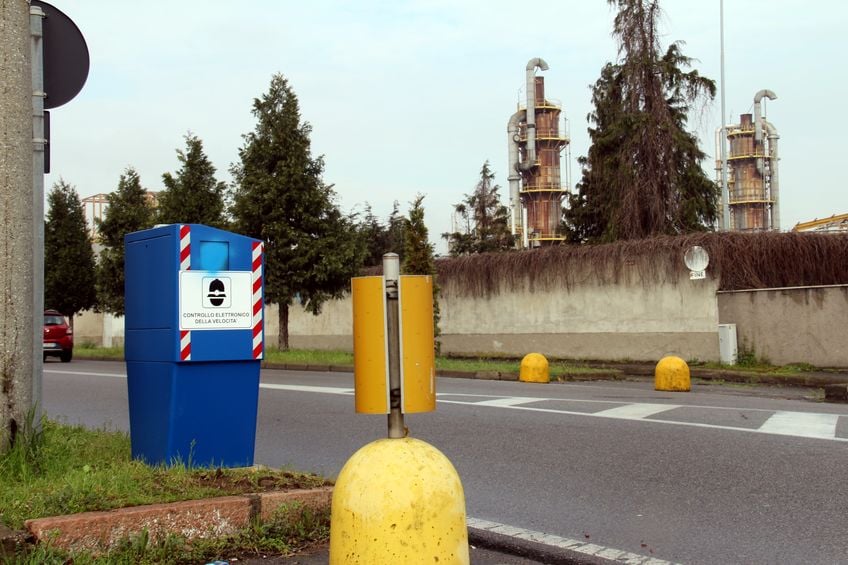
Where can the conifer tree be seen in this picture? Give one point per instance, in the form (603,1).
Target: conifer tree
(486,220)
(192,195)
(129,211)
(374,238)
(418,256)
(311,248)
(642,175)
(396,232)
(69,275)
(379,238)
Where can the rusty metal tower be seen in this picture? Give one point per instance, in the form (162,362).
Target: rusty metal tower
(536,140)
(752,183)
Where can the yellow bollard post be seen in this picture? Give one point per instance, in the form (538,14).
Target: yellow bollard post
(672,374)
(534,369)
(398,501)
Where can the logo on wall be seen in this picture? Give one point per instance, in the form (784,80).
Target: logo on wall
(218,293)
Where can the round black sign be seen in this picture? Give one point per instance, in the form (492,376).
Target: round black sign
(65,56)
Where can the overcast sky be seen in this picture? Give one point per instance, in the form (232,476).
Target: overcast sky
(412,97)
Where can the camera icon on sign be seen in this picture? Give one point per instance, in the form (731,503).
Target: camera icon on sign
(217,293)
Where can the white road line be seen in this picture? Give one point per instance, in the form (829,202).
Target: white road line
(659,422)
(89,374)
(578,546)
(304,388)
(445,395)
(511,401)
(635,411)
(800,424)
(796,424)
(294,388)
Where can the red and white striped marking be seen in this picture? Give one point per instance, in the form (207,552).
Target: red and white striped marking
(185,247)
(185,265)
(256,279)
(185,345)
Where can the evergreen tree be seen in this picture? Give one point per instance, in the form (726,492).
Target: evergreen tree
(374,238)
(643,176)
(418,256)
(486,220)
(128,211)
(396,232)
(193,196)
(591,208)
(68,257)
(311,248)
(379,238)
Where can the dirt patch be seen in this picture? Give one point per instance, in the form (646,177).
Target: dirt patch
(257,482)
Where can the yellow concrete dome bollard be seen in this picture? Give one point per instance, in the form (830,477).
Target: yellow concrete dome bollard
(672,374)
(534,369)
(398,501)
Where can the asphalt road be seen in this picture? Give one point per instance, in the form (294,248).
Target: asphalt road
(718,475)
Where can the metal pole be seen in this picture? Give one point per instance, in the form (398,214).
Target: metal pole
(391,274)
(725,194)
(36,17)
(16,221)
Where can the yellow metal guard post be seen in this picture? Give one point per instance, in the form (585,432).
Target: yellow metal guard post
(370,350)
(396,500)
(394,358)
(418,363)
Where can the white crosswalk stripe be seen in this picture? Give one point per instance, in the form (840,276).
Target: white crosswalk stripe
(514,401)
(635,411)
(800,424)
(796,424)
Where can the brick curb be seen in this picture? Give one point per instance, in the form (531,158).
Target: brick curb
(204,518)
(11,541)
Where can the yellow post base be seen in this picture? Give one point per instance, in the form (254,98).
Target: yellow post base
(398,501)
(534,369)
(672,374)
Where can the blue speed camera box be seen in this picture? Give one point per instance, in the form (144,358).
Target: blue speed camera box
(193,344)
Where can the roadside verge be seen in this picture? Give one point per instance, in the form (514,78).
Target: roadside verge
(191,519)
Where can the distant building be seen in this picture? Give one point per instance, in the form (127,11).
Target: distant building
(833,224)
(95,208)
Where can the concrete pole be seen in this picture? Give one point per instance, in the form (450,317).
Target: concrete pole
(36,18)
(16,221)
(725,194)
(391,272)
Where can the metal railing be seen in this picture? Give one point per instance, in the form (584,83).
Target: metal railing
(544,187)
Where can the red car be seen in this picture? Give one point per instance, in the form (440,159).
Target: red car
(58,337)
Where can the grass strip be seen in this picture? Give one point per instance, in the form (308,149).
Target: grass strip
(63,469)
(93,352)
(328,357)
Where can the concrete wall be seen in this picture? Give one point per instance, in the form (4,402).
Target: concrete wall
(790,325)
(97,329)
(331,330)
(612,322)
(605,321)
(625,321)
